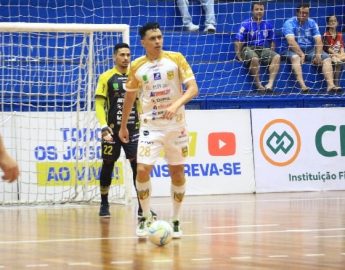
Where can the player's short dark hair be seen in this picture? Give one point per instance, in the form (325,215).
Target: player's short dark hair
(146,27)
(257,3)
(120,46)
(302,5)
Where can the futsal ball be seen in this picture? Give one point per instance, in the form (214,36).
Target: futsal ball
(160,232)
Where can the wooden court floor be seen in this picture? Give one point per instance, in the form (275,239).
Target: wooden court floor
(243,231)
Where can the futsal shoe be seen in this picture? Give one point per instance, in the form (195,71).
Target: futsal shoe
(143,226)
(104,211)
(177,232)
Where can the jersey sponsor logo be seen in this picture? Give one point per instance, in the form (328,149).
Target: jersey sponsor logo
(145,78)
(157,76)
(115,86)
(160,93)
(221,144)
(185,151)
(170,74)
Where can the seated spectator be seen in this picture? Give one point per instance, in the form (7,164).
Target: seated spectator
(305,44)
(210,20)
(333,44)
(255,45)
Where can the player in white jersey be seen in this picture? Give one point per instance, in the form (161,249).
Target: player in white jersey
(157,78)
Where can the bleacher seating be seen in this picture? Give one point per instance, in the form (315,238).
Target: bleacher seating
(219,76)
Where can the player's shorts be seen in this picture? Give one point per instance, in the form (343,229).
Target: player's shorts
(172,144)
(112,150)
(264,54)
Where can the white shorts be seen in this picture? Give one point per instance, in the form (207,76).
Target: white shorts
(170,144)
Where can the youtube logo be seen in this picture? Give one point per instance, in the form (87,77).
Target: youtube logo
(221,143)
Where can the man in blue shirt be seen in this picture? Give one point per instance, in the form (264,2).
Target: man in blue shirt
(305,44)
(255,44)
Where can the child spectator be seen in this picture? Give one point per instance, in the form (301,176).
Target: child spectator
(334,45)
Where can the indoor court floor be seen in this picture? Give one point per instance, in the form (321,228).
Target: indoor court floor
(301,230)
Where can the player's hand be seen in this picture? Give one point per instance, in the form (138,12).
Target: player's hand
(170,112)
(124,135)
(107,133)
(10,168)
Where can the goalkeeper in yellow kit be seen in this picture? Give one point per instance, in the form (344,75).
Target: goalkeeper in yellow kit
(109,102)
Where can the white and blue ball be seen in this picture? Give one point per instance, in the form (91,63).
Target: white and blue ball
(160,232)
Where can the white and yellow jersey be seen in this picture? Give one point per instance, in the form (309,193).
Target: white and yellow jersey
(160,84)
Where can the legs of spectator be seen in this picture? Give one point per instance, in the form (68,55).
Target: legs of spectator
(210,18)
(254,69)
(297,68)
(186,17)
(337,72)
(327,70)
(273,69)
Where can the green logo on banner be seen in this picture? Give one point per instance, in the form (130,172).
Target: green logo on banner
(116,86)
(283,142)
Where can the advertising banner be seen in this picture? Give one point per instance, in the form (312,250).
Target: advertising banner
(220,157)
(59,154)
(299,149)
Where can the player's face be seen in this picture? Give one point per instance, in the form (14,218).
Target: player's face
(258,12)
(122,57)
(303,14)
(153,42)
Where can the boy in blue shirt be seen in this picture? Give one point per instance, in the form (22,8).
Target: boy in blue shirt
(255,44)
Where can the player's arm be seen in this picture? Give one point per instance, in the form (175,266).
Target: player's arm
(192,90)
(7,164)
(107,132)
(128,103)
(101,94)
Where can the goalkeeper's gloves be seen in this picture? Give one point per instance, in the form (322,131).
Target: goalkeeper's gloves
(107,133)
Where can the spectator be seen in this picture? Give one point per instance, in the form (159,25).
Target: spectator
(305,44)
(255,45)
(333,44)
(210,20)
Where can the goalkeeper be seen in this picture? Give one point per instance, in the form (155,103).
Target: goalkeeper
(109,102)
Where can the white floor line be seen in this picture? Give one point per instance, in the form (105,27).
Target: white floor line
(314,255)
(316,230)
(329,236)
(278,256)
(202,259)
(36,265)
(185,235)
(242,226)
(79,263)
